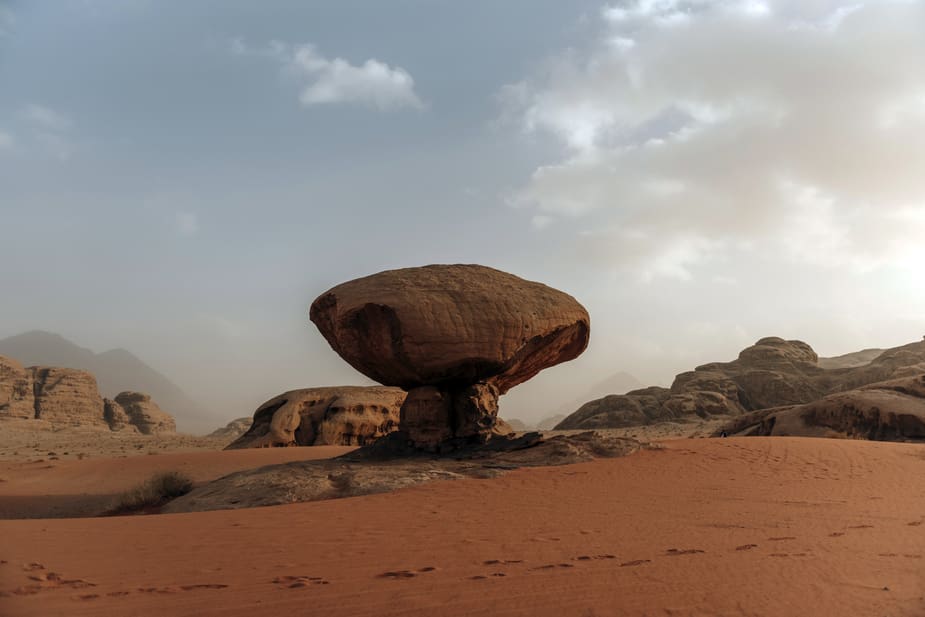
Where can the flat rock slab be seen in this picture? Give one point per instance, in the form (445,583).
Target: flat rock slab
(378,470)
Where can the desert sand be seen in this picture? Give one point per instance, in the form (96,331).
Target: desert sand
(738,526)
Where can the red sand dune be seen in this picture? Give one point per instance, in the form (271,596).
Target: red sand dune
(751,526)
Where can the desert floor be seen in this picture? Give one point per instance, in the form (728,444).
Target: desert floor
(738,526)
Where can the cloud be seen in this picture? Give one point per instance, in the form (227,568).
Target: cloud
(692,131)
(6,141)
(187,223)
(46,118)
(329,81)
(49,129)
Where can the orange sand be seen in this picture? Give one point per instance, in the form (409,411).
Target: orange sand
(749,526)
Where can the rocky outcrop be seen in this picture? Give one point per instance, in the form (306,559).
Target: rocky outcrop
(456,337)
(233,429)
(771,373)
(891,411)
(144,414)
(67,397)
(17,399)
(64,397)
(342,416)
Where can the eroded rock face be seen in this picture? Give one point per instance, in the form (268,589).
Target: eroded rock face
(771,373)
(65,396)
(16,397)
(454,336)
(144,414)
(888,411)
(233,429)
(342,416)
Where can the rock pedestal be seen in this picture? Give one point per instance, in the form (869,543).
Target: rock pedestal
(455,337)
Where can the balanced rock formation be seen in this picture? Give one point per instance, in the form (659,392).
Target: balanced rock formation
(888,411)
(456,337)
(771,373)
(340,416)
(65,397)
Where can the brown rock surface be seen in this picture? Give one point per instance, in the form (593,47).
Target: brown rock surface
(343,415)
(455,336)
(888,411)
(54,398)
(233,429)
(65,396)
(16,397)
(770,374)
(144,414)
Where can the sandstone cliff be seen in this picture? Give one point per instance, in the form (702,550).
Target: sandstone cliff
(64,397)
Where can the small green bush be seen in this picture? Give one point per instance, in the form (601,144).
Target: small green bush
(154,492)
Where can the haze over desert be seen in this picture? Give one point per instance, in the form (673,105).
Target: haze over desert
(603,308)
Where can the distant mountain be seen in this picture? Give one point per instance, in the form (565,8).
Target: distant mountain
(116,370)
(851,360)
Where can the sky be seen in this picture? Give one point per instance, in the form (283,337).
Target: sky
(182,179)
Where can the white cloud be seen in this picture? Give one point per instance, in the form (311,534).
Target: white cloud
(46,118)
(328,81)
(187,223)
(6,141)
(788,128)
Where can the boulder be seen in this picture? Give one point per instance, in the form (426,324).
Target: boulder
(455,336)
(342,416)
(144,414)
(17,399)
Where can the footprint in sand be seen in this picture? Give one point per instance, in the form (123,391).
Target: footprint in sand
(860,527)
(295,582)
(400,574)
(779,539)
(677,551)
(635,562)
(836,534)
(746,547)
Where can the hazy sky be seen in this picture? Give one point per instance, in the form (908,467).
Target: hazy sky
(182,179)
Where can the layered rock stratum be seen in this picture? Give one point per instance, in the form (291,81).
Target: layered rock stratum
(65,397)
(456,337)
(775,373)
(337,416)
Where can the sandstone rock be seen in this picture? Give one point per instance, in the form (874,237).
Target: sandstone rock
(16,396)
(144,414)
(891,411)
(67,397)
(771,373)
(115,416)
(455,336)
(63,397)
(344,415)
(233,429)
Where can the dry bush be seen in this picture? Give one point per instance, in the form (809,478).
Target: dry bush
(153,493)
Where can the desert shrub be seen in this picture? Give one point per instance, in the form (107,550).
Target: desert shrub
(154,492)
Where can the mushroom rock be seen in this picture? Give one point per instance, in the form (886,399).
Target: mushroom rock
(456,337)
